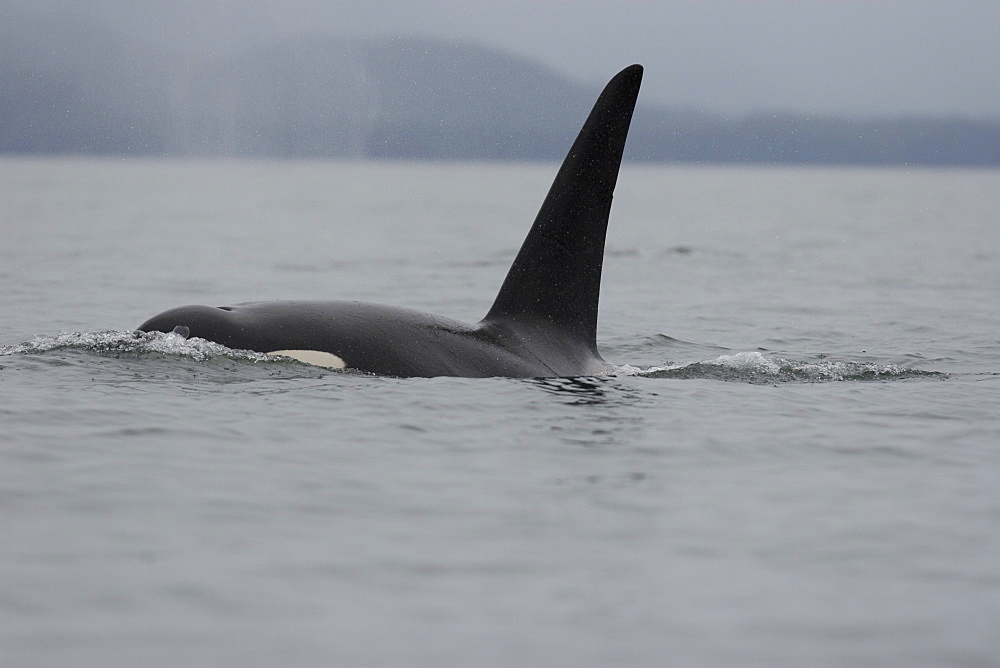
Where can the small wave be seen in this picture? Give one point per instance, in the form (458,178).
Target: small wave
(138,345)
(628,346)
(753,367)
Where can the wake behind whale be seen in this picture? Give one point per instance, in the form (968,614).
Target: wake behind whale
(543,322)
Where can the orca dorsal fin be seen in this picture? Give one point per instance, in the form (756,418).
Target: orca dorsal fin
(556,277)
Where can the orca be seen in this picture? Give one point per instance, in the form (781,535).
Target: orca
(543,322)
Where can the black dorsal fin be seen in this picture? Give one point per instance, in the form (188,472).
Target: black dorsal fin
(556,276)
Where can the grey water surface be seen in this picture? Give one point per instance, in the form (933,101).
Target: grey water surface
(797,462)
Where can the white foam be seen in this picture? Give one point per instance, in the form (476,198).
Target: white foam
(748,361)
(130,343)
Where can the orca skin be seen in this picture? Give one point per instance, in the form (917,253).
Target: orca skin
(542,324)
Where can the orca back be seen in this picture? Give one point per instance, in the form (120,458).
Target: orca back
(543,322)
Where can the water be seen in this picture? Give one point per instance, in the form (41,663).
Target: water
(796,463)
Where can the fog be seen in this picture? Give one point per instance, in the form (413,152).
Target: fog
(874,58)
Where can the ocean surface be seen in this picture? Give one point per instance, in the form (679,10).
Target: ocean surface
(796,463)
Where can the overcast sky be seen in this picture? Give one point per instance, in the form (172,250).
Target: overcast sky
(869,58)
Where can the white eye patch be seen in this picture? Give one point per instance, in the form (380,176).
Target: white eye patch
(314,357)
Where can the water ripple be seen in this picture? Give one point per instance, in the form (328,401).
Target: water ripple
(756,368)
(745,367)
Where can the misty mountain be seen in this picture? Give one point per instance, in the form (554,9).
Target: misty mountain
(71,84)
